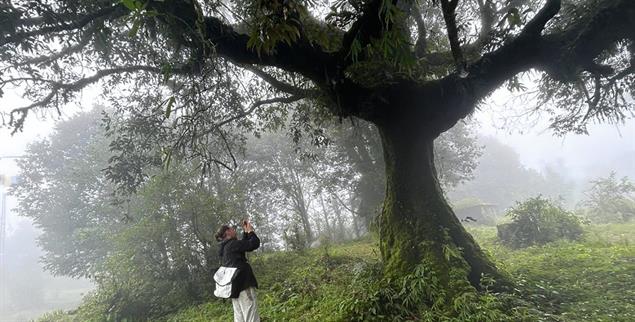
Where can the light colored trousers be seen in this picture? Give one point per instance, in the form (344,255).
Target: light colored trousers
(246,307)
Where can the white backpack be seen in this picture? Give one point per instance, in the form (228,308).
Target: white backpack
(223,278)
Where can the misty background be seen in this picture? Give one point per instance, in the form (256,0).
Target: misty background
(29,291)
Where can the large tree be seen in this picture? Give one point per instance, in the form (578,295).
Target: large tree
(414,69)
(358,146)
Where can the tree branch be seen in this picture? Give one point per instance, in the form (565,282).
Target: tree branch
(280,85)
(448,7)
(229,149)
(252,108)
(44,59)
(422,41)
(535,26)
(302,56)
(58,87)
(563,53)
(369,26)
(110,12)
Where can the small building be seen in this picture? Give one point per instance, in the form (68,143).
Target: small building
(479,213)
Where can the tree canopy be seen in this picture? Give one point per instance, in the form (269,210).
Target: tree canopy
(433,59)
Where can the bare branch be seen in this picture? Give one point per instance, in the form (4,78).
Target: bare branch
(448,7)
(221,163)
(229,149)
(596,97)
(58,87)
(257,104)
(280,85)
(422,41)
(252,108)
(488,15)
(538,22)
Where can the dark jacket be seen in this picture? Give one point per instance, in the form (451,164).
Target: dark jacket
(232,254)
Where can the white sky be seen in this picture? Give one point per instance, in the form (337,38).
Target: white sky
(37,126)
(538,147)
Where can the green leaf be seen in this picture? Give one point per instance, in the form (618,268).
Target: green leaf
(132,5)
(514,18)
(135,28)
(356,48)
(128,4)
(168,109)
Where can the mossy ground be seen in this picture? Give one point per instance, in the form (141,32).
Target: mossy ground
(591,280)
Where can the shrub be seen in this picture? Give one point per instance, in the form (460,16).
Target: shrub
(538,221)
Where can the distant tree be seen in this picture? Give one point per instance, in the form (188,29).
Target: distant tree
(150,251)
(344,166)
(286,177)
(357,159)
(65,193)
(610,200)
(414,69)
(501,178)
(457,154)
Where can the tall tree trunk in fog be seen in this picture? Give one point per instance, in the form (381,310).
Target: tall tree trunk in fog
(417,224)
(329,229)
(296,189)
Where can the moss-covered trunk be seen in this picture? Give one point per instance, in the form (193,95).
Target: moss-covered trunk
(417,226)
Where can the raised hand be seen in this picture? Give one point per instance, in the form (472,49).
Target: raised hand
(247,227)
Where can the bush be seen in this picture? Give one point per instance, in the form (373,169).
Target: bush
(538,221)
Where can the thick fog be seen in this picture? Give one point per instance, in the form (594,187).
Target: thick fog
(30,291)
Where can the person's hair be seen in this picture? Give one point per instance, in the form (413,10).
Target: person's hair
(220,234)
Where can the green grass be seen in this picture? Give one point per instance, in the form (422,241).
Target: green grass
(307,286)
(590,280)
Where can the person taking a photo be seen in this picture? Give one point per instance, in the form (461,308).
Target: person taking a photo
(232,253)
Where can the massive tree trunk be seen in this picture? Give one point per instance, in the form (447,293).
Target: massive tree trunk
(417,225)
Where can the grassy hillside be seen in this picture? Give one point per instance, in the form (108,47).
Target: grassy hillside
(593,280)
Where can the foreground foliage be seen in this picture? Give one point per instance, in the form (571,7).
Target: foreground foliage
(590,280)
